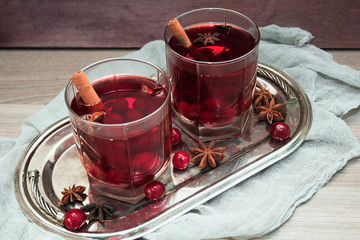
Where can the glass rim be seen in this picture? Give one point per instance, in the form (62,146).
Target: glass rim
(257,41)
(126,124)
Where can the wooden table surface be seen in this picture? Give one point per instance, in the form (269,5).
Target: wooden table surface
(29,79)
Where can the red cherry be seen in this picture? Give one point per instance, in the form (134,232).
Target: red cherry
(112,118)
(145,162)
(207,118)
(154,190)
(213,104)
(120,105)
(180,160)
(74,219)
(133,114)
(139,178)
(97,107)
(116,177)
(143,105)
(140,104)
(175,136)
(186,109)
(280,131)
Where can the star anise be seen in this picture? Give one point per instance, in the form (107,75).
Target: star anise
(95,117)
(99,212)
(224,28)
(207,156)
(72,193)
(262,96)
(271,112)
(207,38)
(155,91)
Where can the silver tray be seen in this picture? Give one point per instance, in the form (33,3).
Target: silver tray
(54,156)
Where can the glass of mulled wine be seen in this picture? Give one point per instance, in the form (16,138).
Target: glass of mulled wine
(130,144)
(213,82)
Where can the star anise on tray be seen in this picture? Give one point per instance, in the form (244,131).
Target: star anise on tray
(72,193)
(262,96)
(207,156)
(99,212)
(271,113)
(207,38)
(95,117)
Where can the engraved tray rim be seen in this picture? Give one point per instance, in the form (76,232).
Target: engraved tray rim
(37,216)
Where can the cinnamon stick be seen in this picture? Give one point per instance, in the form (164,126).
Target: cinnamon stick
(179,33)
(85,88)
(184,40)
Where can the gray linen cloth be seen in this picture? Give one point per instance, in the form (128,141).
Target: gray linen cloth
(263,202)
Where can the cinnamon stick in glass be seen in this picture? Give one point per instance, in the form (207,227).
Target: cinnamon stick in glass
(184,40)
(87,92)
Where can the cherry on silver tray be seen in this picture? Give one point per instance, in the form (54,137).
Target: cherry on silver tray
(51,163)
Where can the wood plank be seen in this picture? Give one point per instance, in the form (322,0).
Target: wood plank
(12,117)
(37,76)
(113,24)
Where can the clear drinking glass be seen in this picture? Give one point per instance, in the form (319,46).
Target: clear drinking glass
(212,96)
(131,145)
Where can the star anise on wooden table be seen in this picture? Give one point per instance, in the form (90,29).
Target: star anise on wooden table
(72,193)
(262,96)
(207,38)
(207,156)
(99,212)
(271,112)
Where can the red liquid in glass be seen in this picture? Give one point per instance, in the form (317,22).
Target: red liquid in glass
(210,94)
(234,43)
(124,162)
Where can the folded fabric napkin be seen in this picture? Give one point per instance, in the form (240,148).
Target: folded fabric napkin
(261,203)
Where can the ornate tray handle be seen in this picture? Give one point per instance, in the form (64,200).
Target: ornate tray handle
(266,72)
(33,176)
